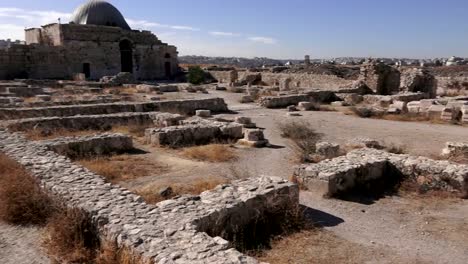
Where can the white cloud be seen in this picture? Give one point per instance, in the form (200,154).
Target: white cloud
(148,25)
(264,40)
(34,18)
(185,28)
(10,31)
(224,34)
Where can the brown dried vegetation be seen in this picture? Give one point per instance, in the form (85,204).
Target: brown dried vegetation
(22,201)
(211,153)
(304,139)
(122,167)
(152,196)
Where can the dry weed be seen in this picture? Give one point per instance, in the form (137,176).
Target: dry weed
(72,237)
(22,201)
(122,167)
(110,253)
(211,153)
(304,138)
(152,196)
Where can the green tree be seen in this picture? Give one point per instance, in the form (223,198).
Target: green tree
(196,75)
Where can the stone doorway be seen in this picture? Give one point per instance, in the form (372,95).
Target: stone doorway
(87,70)
(167,69)
(126,55)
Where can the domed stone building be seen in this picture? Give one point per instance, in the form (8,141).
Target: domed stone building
(96,42)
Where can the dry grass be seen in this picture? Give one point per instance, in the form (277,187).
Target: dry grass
(304,138)
(72,237)
(211,153)
(312,246)
(22,201)
(111,254)
(122,167)
(151,195)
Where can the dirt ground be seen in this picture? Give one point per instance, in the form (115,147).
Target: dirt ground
(396,229)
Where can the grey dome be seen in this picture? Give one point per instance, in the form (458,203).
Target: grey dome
(101,13)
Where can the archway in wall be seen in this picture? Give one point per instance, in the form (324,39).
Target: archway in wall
(126,56)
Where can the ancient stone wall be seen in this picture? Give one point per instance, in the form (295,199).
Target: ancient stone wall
(185,107)
(60,51)
(297,80)
(304,80)
(173,231)
(95,122)
(86,146)
(363,167)
(452,85)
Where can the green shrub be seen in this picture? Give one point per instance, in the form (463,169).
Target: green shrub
(196,75)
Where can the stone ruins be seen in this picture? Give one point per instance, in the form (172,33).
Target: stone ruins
(97,42)
(94,89)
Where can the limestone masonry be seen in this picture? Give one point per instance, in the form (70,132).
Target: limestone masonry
(185,230)
(94,48)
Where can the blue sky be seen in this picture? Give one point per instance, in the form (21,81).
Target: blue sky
(278,29)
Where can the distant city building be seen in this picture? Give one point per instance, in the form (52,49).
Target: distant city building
(454,61)
(5,44)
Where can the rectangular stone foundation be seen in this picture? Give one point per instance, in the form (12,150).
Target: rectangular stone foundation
(193,134)
(168,232)
(365,167)
(95,122)
(95,145)
(184,107)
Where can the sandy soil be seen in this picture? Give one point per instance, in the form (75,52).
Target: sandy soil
(21,245)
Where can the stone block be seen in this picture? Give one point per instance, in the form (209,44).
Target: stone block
(254,138)
(306,106)
(203,113)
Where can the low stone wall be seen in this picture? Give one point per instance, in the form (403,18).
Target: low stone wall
(283,100)
(169,232)
(186,107)
(452,86)
(362,167)
(95,145)
(193,134)
(95,122)
(318,81)
(72,110)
